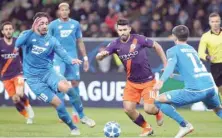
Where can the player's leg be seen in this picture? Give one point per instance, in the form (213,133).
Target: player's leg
(47,95)
(178,98)
(10,88)
(73,75)
(131,97)
(212,101)
(149,96)
(19,87)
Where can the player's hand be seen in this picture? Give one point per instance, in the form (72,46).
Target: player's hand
(76,61)
(86,66)
(35,24)
(210,58)
(102,54)
(158,85)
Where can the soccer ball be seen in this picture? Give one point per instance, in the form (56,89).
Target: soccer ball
(112,129)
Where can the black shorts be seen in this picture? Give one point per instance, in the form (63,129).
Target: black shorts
(216,70)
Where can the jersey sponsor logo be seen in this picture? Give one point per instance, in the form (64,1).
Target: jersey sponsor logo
(65,33)
(60,26)
(38,50)
(129,55)
(8,56)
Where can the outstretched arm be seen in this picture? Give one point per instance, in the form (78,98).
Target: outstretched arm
(172,61)
(61,52)
(161,53)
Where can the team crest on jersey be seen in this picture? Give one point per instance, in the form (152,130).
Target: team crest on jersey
(72,26)
(47,44)
(34,40)
(60,26)
(132,46)
(38,50)
(65,33)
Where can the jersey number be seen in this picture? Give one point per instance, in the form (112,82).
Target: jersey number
(197,68)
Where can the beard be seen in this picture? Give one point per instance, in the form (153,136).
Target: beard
(124,37)
(9,36)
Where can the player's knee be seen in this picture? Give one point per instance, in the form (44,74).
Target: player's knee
(129,109)
(64,86)
(74,83)
(15,99)
(56,101)
(150,109)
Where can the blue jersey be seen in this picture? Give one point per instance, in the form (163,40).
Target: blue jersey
(67,33)
(185,59)
(38,53)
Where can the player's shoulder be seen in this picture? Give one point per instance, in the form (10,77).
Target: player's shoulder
(114,42)
(54,22)
(73,21)
(138,36)
(206,34)
(173,49)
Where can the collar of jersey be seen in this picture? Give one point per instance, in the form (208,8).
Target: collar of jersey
(214,33)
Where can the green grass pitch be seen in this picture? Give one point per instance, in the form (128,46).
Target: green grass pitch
(46,124)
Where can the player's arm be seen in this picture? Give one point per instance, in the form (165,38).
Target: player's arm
(172,61)
(202,49)
(61,52)
(22,39)
(146,42)
(110,49)
(160,52)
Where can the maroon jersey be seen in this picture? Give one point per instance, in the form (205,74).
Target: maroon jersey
(10,63)
(133,55)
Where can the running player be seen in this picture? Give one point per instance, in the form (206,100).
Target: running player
(38,52)
(199,84)
(11,73)
(132,51)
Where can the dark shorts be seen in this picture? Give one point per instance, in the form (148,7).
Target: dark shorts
(216,70)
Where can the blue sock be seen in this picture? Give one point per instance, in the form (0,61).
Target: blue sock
(170,111)
(64,116)
(75,101)
(219,113)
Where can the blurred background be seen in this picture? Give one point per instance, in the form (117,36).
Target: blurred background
(152,18)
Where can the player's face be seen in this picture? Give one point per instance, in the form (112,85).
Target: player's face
(123,31)
(43,25)
(64,12)
(8,31)
(214,23)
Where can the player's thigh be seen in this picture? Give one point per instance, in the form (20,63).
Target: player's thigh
(41,90)
(59,66)
(9,87)
(148,94)
(212,102)
(19,85)
(183,97)
(72,72)
(131,93)
(56,81)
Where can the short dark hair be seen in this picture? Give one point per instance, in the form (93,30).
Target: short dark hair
(123,21)
(181,32)
(6,23)
(41,14)
(214,14)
